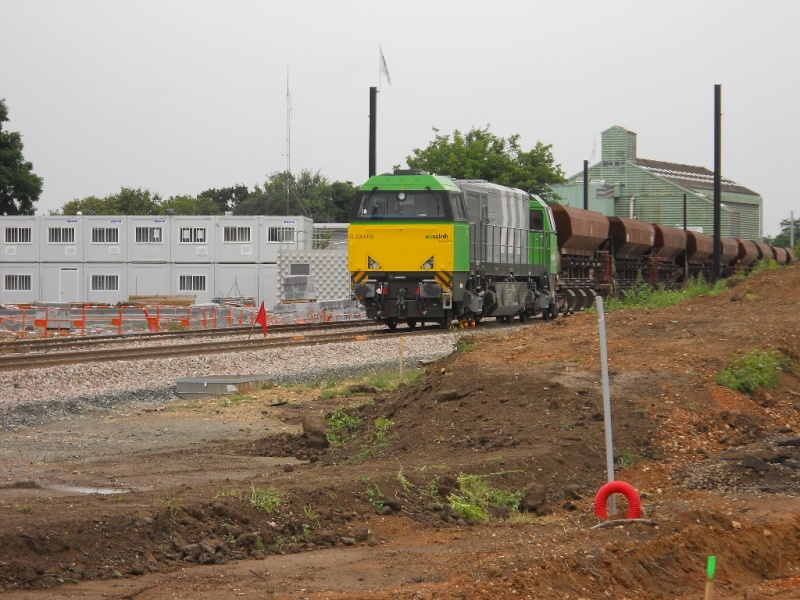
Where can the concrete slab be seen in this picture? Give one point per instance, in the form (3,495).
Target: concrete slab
(221,385)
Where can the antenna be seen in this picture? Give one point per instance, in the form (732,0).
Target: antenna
(288,138)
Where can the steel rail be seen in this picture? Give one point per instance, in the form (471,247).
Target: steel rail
(43,344)
(37,361)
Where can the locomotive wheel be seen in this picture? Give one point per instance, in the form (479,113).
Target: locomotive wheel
(571,300)
(391,324)
(411,323)
(582,301)
(592,295)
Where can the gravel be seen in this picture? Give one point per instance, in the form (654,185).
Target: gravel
(36,396)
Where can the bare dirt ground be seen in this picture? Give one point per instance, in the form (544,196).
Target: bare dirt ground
(159,502)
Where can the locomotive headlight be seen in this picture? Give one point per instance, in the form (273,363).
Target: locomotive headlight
(428,264)
(372,263)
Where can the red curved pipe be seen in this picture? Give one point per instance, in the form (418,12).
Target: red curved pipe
(618,487)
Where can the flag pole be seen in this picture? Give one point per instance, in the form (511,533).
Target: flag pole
(252,326)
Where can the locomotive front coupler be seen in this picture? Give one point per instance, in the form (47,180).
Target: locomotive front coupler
(401,302)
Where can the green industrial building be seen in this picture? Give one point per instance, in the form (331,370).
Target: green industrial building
(623,185)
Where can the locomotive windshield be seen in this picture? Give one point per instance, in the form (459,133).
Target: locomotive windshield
(402,205)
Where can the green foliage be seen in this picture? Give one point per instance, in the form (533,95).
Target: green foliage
(268,499)
(764,265)
(643,295)
(755,370)
(172,506)
(627,457)
(127,202)
(378,440)
(188,205)
(465,346)
(382,427)
(20,187)
(389,380)
(784,237)
(375,496)
(476,497)
(224,199)
(404,482)
(341,427)
(482,155)
(308,194)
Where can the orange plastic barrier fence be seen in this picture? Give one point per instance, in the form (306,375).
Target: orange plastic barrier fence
(88,320)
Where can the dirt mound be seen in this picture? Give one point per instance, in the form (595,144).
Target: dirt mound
(278,509)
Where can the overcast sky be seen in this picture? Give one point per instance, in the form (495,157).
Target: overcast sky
(178,96)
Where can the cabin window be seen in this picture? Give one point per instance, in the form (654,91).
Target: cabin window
(192,283)
(17,283)
(105,283)
(105,235)
(148,235)
(61,235)
(18,235)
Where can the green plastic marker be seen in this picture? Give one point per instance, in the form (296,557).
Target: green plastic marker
(712,566)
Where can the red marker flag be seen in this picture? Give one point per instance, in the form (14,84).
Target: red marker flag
(261,318)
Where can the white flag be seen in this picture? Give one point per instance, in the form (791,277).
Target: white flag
(384,68)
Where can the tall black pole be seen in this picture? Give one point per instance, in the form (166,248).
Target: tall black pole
(586,185)
(717,180)
(373,108)
(684,213)
(685,227)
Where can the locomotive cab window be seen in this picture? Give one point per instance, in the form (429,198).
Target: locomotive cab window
(537,220)
(403,205)
(458,208)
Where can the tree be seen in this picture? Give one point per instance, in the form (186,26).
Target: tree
(189,205)
(784,237)
(308,194)
(20,187)
(227,198)
(341,194)
(482,155)
(127,202)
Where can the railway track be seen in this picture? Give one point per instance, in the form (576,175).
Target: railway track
(47,344)
(39,359)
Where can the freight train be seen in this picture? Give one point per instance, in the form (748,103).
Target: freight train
(426,248)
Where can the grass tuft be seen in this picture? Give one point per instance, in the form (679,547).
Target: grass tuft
(755,370)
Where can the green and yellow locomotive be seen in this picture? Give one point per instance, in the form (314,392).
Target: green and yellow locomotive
(429,249)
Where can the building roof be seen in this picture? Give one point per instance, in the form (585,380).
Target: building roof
(690,176)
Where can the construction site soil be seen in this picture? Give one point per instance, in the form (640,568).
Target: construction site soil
(244,497)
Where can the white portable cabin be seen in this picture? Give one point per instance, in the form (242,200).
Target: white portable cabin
(237,239)
(268,284)
(192,238)
(20,239)
(149,239)
(196,279)
(61,239)
(235,280)
(148,279)
(284,233)
(105,239)
(20,283)
(106,283)
(62,282)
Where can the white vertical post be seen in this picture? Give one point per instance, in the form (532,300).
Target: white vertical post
(601,317)
(402,366)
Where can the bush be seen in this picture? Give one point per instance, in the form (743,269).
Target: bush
(754,370)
